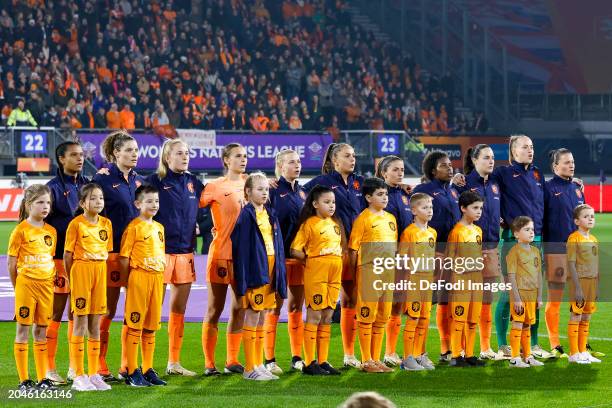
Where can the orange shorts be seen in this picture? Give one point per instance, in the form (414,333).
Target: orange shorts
(528,314)
(322,281)
(466,304)
(220,271)
(61,283)
(33,300)
(418,301)
(179,269)
(114,277)
(143,300)
(589,290)
(492,268)
(556,267)
(88,288)
(295,272)
(263,297)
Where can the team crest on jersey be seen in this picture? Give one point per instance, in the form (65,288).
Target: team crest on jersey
(536,262)
(459,310)
(521,312)
(222,272)
(580,304)
(48,240)
(559,271)
(80,303)
(258,299)
(59,282)
(405,200)
(24,312)
(416,306)
(190,187)
(356,185)
(578,193)
(138,183)
(479,239)
(365,311)
(536,175)
(431,242)
(161,236)
(302,195)
(494,188)
(317,299)
(103,235)
(337,229)
(392,226)
(135,317)
(115,276)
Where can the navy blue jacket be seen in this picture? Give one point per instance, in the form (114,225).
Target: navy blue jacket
(64,203)
(250,257)
(522,193)
(179,197)
(119,196)
(446,212)
(287,202)
(489,221)
(349,199)
(561,196)
(399,207)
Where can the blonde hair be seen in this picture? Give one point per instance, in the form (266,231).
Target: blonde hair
(416,198)
(512,142)
(250,181)
(30,195)
(162,167)
(280,159)
(115,141)
(332,151)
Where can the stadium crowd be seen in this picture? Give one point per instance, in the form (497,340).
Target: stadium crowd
(258,65)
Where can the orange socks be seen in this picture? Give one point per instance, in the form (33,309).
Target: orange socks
(259,346)
(131,349)
(420,337)
(552,322)
(572,334)
(365,341)
(104,333)
(147,348)
(20,350)
(310,342)
(209,342)
(470,339)
(526,341)
(409,337)
(295,326)
(233,347)
(442,322)
(52,330)
(93,354)
(40,359)
(485,327)
(77,355)
(323,338)
(515,341)
(394,325)
(249,336)
(456,337)
(583,335)
(176,328)
(270,323)
(378,335)
(348,330)
(124,331)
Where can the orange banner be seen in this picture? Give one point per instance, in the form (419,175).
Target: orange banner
(33,165)
(10,200)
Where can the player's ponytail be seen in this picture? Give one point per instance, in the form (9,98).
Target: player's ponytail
(384,164)
(473,153)
(332,151)
(60,151)
(512,142)
(555,155)
(279,160)
(115,141)
(30,195)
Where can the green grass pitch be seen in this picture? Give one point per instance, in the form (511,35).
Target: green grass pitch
(556,384)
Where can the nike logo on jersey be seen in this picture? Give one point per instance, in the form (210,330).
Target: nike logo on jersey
(226,194)
(167,187)
(557,194)
(374,226)
(283,195)
(147,237)
(437,193)
(32,240)
(322,232)
(116,185)
(334,187)
(85,236)
(516,175)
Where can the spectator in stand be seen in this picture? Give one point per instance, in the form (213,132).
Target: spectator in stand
(128,118)
(20,116)
(113,118)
